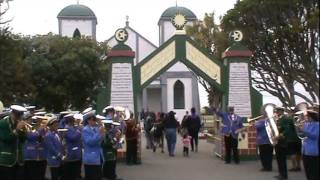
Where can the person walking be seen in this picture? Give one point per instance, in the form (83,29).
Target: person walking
(194,125)
(171,125)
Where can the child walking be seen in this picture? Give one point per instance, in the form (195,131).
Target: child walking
(186,144)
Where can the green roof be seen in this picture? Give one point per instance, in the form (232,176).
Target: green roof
(170,12)
(77,11)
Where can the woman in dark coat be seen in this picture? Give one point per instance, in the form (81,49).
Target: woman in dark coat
(171,125)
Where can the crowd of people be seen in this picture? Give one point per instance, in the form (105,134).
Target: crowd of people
(160,125)
(31,141)
(286,144)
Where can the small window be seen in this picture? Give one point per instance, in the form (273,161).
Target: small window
(76,33)
(178,95)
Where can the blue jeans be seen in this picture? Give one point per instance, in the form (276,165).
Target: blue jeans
(171,136)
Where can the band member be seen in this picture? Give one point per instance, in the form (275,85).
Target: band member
(132,132)
(92,135)
(281,148)
(110,145)
(73,149)
(264,145)
(34,151)
(231,126)
(78,118)
(310,146)
(12,137)
(54,149)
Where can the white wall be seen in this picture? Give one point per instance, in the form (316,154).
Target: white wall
(69,26)
(154,99)
(144,49)
(179,66)
(187,93)
(169,29)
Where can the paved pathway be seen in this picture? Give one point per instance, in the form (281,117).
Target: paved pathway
(199,166)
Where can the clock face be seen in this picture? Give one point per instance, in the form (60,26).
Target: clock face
(179,21)
(121,35)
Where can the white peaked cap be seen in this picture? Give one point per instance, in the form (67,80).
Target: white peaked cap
(18,108)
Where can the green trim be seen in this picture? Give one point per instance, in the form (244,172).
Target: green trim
(181,56)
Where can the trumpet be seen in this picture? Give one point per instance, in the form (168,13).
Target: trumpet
(255,118)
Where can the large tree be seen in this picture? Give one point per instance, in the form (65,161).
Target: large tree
(284,37)
(52,71)
(66,72)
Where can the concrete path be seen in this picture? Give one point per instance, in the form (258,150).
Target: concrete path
(199,166)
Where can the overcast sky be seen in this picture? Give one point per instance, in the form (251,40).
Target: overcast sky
(40,16)
(30,17)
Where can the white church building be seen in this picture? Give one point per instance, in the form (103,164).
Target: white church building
(176,89)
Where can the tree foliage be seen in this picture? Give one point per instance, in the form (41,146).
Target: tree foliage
(284,36)
(61,72)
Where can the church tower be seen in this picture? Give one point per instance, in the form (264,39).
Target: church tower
(166,29)
(77,20)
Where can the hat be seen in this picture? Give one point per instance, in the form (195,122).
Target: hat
(52,120)
(87,110)
(116,123)
(89,114)
(18,108)
(30,107)
(69,115)
(100,117)
(78,116)
(27,115)
(64,112)
(108,121)
(41,113)
(40,117)
(107,109)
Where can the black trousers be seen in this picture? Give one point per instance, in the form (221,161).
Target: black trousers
(93,172)
(79,165)
(266,153)
(311,167)
(132,150)
(194,140)
(35,170)
(281,156)
(15,172)
(56,173)
(70,170)
(231,144)
(109,170)
(185,151)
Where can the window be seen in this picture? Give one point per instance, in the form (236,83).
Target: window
(178,95)
(76,33)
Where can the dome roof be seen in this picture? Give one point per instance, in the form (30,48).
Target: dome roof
(171,11)
(120,47)
(77,11)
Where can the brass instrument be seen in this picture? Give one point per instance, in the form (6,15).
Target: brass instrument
(124,113)
(271,126)
(300,118)
(255,118)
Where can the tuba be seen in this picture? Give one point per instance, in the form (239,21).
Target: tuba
(124,113)
(300,118)
(270,124)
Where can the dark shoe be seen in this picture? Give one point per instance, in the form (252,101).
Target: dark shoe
(227,162)
(297,169)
